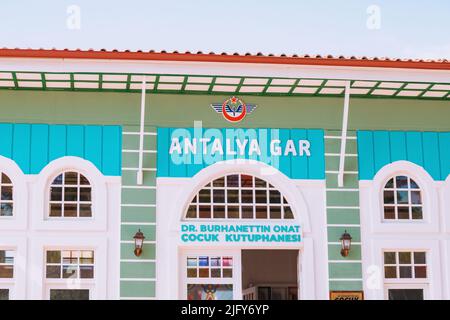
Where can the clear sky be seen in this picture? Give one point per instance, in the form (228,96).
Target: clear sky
(393,28)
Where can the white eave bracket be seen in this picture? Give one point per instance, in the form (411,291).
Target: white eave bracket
(140,174)
(344,135)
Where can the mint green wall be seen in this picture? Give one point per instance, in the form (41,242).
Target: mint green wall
(138,204)
(173,110)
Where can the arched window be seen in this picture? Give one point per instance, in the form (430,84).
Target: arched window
(239,196)
(402,199)
(6,200)
(70,196)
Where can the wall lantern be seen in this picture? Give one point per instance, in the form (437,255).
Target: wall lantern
(346,242)
(138,243)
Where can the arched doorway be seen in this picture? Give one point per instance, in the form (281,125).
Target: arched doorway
(206,224)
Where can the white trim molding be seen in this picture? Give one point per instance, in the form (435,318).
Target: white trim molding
(17,284)
(40,220)
(306,199)
(378,235)
(18,221)
(371,200)
(373,267)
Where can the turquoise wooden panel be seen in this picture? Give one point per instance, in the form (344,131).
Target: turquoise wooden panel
(414,148)
(431,150)
(57,142)
(285,161)
(33,146)
(316,162)
(381,149)
(112,150)
(39,147)
(365,155)
(75,141)
(163,137)
(299,165)
(93,144)
(6,132)
(293,166)
(398,146)
(21,146)
(195,160)
(177,168)
(444,152)
(431,161)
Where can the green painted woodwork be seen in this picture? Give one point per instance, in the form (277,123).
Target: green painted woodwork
(343,216)
(180,81)
(165,110)
(345,270)
(334,253)
(138,196)
(137,289)
(129,177)
(144,270)
(127,251)
(346,285)
(342,198)
(138,214)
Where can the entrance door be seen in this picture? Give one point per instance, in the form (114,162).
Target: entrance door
(210,274)
(270,274)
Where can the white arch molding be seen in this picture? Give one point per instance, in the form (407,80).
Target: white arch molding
(253,168)
(378,235)
(371,199)
(98,184)
(20,195)
(305,197)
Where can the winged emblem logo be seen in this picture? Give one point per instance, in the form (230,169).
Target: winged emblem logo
(233,109)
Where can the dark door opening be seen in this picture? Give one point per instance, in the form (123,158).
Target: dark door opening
(270,274)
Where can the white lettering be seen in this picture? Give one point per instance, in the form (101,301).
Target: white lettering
(175,146)
(303,146)
(230,150)
(254,147)
(241,146)
(204,142)
(217,147)
(190,146)
(290,148)
(275,148)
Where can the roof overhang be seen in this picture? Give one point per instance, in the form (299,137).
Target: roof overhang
(217,74)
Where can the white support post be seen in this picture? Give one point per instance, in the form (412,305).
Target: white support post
(344,135)
(140,174)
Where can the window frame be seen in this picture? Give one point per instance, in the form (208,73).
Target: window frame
(72,283)
(14,265)
(18,220)
(99,186)
(424,287)
(60,286)
(371,201)
(239,204)
(17,284)
(235,280)
(61,264)
(63,201)
(409,205)
(412,280)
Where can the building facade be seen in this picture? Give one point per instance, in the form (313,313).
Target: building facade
(243,172)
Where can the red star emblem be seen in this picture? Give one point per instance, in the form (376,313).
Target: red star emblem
(233,100)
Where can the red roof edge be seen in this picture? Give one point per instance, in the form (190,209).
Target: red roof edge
(227,58)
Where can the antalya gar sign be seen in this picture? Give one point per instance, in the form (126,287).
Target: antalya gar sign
(240,233)
(194,145)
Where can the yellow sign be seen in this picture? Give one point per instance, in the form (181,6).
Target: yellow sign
(346,295)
